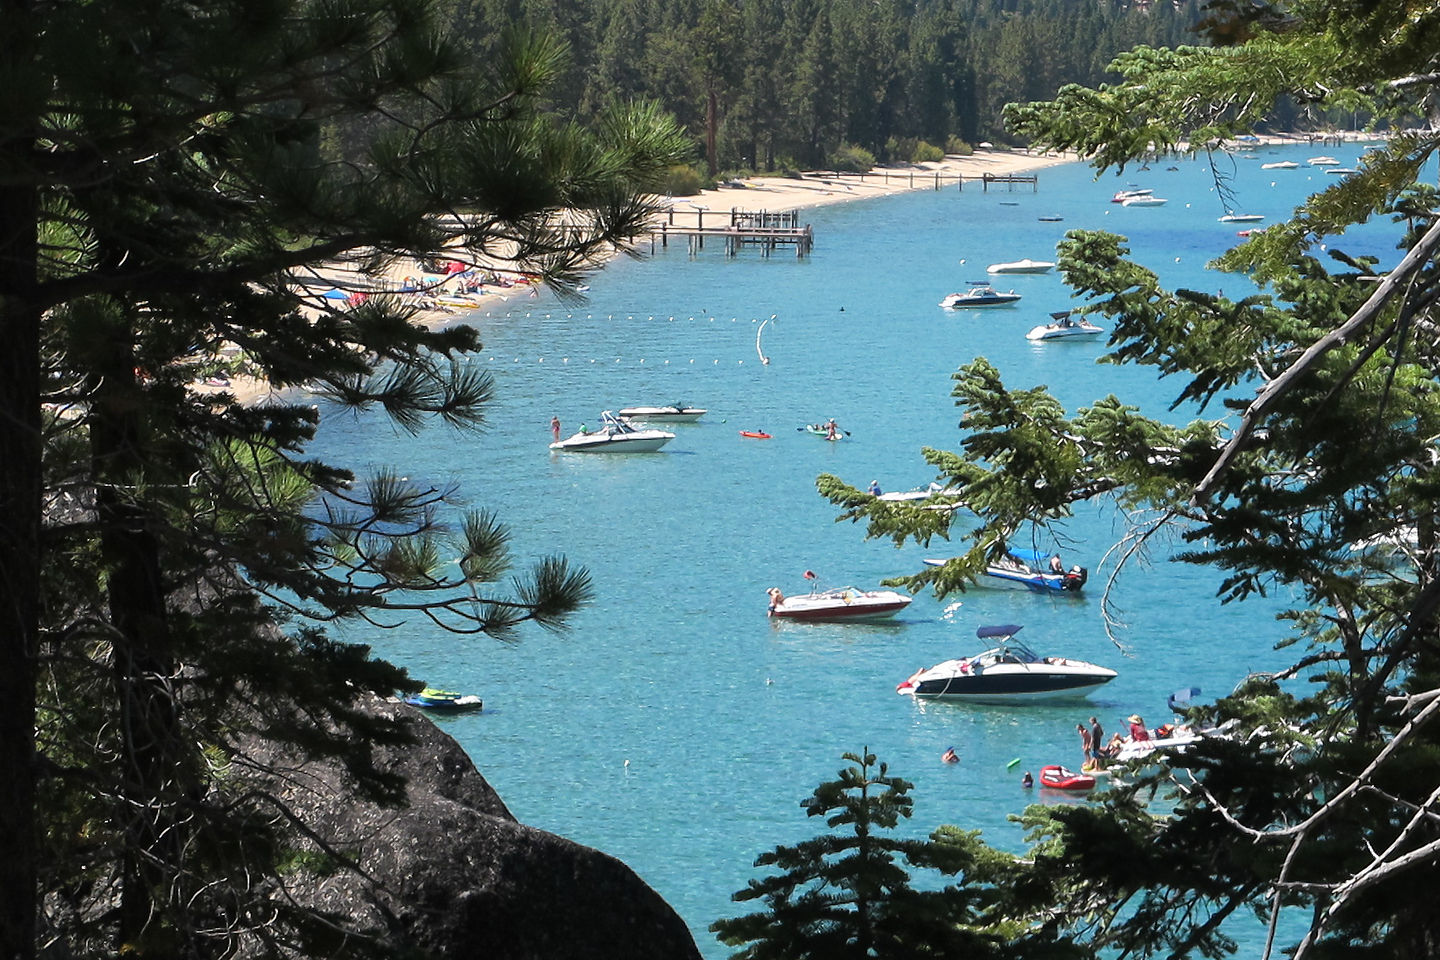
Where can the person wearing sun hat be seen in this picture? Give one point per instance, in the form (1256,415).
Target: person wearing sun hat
(1137,728)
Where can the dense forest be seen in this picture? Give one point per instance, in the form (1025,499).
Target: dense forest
(776,84)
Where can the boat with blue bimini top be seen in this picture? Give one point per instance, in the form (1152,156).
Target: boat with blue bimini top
(1005,673)
(1032,569)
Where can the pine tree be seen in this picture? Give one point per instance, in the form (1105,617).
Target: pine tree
(172,178)
(848,893)
(1312,469)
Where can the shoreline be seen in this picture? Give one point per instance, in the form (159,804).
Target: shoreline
(774,194)
(752,194)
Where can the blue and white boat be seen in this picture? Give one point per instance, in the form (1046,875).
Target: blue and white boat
(1033,570)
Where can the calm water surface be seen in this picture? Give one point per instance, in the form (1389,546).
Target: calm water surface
(675,726)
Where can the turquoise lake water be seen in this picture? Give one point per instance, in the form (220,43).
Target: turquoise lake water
(675,726)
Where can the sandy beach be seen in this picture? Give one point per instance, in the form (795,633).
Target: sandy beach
(773,194)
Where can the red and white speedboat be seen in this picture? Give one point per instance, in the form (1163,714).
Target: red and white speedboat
(1056,777)
(840,605)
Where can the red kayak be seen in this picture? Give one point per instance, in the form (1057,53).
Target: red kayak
(757,434)
(1057,777)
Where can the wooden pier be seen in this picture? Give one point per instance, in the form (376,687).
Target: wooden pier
(736,228)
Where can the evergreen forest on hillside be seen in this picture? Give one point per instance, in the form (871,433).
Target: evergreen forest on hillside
(781,84)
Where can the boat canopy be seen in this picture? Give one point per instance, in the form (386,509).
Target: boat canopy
(1038,559)
(1001,630)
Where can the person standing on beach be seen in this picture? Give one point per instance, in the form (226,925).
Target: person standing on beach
(555,427)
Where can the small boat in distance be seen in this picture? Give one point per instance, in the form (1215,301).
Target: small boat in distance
(1280,165)
(981,295)
(1122,195)
(1323,162)
(1008,672)
(1341,171)
(1021,266)
(444,700)
(1233,217)
(839,605)
(1065,326)
(1146,201)
(675,412)
(615,435)
(755,434)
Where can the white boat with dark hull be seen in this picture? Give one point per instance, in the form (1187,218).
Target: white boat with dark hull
(1233,217)
(840,605)
(674,413)
(1065,326)
(614,436)
(1021,266)
(980,295)
(1008,672)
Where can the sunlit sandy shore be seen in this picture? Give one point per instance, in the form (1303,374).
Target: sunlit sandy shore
(332,283)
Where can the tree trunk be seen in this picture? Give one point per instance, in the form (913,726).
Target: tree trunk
(712,119)
(20,540)
(154,779)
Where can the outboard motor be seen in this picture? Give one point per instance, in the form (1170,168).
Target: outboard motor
(1075,579)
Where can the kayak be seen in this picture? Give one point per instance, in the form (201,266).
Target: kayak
(757,434)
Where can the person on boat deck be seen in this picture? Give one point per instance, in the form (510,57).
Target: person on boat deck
(555,427)
(1097,738)
(776,598)
(950,756)
(1055,565)
(1086,745)
(1027,780)
(874,488)
(1138,732)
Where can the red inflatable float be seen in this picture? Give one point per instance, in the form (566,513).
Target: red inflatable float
(1057,777)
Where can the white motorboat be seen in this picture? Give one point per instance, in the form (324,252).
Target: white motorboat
(1280,165)
(674,413)
(1341,171)
(1021,266)
(1145,201)
(1233,217)
(1323,162)
(982,295)
(1122,195)
(933,496)
(1065,326)
(615,435)
(840,605)
(1005,673)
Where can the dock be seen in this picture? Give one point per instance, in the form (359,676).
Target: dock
(737,229)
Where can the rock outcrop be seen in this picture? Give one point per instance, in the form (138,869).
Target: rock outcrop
(453,874)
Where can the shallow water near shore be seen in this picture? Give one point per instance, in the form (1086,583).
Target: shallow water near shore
(674,726)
